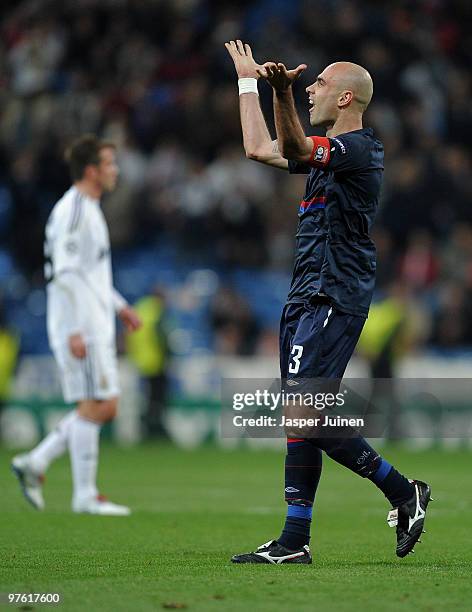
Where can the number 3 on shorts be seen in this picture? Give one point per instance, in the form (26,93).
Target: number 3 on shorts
(294,364)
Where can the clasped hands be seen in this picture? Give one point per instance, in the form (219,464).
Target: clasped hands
(276,73)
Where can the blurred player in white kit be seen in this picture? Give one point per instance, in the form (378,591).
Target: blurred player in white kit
(82,305)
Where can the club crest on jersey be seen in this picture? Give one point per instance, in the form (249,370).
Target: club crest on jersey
(321,154)
(72,247)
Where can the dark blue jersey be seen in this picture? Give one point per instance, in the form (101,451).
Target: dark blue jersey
(335,255)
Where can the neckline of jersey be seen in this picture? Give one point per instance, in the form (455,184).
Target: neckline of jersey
(85,196)
(366,130)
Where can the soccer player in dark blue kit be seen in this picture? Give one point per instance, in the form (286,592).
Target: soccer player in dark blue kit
(333,279)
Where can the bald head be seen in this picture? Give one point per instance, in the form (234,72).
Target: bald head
(347,76)
(342,90)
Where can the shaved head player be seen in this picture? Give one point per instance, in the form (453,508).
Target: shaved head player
(333,280)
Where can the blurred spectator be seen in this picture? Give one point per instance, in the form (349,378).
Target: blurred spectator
(236,330)
(396,325)
(35,57)
(419,265)
(148,350)
(453,321)
(9,348)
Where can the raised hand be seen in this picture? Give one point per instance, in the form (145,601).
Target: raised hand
(278,76)
(245,65)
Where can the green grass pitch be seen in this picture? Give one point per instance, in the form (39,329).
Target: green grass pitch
(193,510)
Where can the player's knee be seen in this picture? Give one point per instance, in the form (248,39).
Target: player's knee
(299,421)
(295,432)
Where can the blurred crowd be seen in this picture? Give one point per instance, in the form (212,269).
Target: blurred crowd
(154,76)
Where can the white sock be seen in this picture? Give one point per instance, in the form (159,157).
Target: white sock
(83,447)
(53,445)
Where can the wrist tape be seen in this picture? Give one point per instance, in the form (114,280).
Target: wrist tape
(247,85)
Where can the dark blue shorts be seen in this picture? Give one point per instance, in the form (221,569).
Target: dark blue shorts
(317,340)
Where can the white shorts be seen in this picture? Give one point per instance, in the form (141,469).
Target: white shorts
(94,377)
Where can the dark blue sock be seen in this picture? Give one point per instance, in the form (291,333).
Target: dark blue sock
(296,532)
(396,488)
(354,452)
(303,465)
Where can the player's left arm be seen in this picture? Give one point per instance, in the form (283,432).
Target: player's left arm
(127,315)
(293,143)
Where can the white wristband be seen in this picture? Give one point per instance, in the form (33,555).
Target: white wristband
(247,85)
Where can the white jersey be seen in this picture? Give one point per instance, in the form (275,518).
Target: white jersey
(81,298)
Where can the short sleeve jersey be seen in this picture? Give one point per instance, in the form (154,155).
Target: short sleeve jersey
(335,255)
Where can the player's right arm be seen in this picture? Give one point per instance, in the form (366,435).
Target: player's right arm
(258,144)
(66,253)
